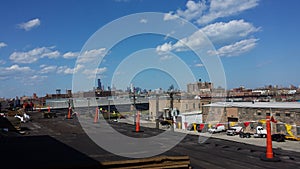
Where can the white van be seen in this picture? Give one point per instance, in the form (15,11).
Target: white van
(217,129)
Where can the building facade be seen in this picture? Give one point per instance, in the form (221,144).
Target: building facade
(160,104)
(285,113)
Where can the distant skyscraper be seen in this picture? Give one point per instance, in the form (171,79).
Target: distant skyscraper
(99,84)
(131,88)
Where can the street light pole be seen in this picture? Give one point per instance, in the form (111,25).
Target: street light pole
(108,109)
(134,108)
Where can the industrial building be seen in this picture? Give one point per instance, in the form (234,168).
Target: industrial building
(285,113)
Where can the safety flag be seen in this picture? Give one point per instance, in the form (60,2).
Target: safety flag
(246,124)
(232,124)
(262,121)
(289,129)
(273,120)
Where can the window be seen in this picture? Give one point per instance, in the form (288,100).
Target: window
(298,130)
(258,112)
(268,114)
(194,106)
(186,106)
(280,128)
(277,114)
(199,105)
(288,114)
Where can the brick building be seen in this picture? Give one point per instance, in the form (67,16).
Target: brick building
(283,112)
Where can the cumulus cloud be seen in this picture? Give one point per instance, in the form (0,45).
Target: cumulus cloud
(95,71)
(228,31)
(222,33)
(14,71)
(203,12)
(27,26)
(170,16)
(193,10)
(92,72)
(235,49)
(71,55)
(18,68)
(164,48)
(67,70)
(92,55)
(2,44)
(47,69)
(34,55)
(224,8)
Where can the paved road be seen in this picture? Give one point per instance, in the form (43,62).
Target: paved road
(61,143)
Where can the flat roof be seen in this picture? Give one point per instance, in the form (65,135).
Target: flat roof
(191,113)
(279,105)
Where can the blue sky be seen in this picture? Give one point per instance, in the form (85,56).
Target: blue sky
(257,42)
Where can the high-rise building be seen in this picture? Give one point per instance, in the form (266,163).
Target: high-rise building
(99,84)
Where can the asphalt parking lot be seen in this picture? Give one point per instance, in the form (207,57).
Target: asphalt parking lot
(62,143)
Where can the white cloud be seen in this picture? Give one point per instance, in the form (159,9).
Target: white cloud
(224,8)
(166,57)
(92,55)
(218,33)
(2,44)
(30,24)
(228,31)
(143,21)
(236,49)
(170,16)
(199,65)
(17,68)
(37,77)
(92,72)
(47,69)
(51,55)
(67,70)
(169,35)
(203,12)
(33,55)
(193,10)
(71,55)
(164,48)
(14,71)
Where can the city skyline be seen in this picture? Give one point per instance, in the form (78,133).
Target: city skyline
(257,42)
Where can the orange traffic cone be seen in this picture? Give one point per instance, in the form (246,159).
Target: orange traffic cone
(137,124)
(69,113)
(96,115)
(269,156)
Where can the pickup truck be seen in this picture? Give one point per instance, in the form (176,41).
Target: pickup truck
(235,130)
(260,132)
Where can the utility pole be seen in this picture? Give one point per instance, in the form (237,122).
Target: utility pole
(134,100)
(108,109)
